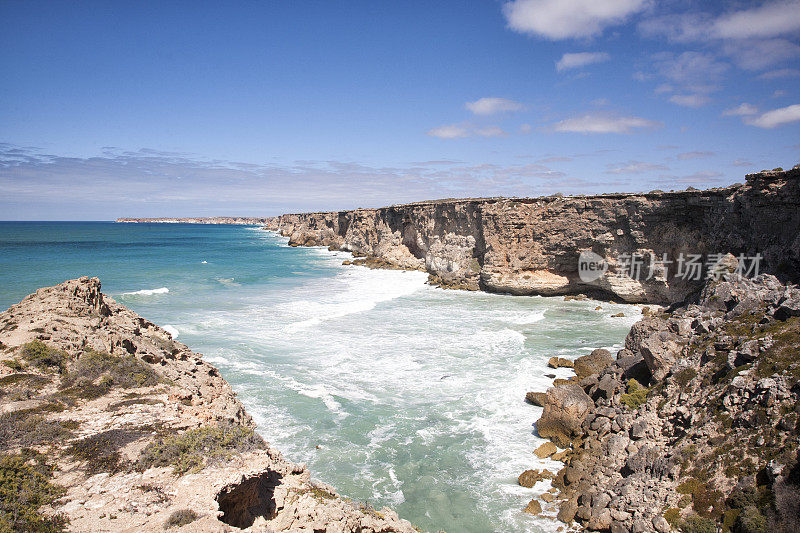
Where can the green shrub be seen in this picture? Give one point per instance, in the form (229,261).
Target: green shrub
(636,395)
(43,357)
(29,428)
(698,524)
(124,371)
(24,488)
(191,450)
(101,452)
(750,520)
(13,364)
(672,515)
(180,518)
(684,376)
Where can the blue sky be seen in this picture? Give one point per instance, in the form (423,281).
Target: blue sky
(259,108)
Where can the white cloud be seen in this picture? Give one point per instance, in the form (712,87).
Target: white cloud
(681,28)
(460,131)
(691,75)
(492,105)
(491,131)
(776,117)
(768,20)
(780,74)
(580,59)
(449,131)
(633,167)
(525,128)
(742,163)
(693,71)
(604,123)
(690,100)
(740,110)
(564,19)
(685,156)
(757,54)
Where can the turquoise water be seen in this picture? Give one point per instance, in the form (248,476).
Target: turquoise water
(392,391)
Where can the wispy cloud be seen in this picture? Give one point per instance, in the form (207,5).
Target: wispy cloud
(580,59)
(449,131)
(741,110)
(691,77)
(565,19)
(463,130)
(634,167)
(776,117)
(780,73)
(604,123)
(685,156)
(493,105)
(768,20)
(38,185)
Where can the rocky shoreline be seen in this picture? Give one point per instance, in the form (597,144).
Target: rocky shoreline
(693,426)
(109,424)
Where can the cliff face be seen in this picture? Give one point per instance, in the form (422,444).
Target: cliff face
(533,245)
(108,424)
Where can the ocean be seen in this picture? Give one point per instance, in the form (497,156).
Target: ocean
(394,392)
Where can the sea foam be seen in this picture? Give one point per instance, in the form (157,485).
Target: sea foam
(147,292)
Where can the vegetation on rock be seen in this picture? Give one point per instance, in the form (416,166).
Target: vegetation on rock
(25,487)
(193,449)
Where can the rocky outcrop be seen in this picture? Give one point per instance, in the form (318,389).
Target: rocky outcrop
(694,425)
(533,245)
(109,424)
(270,222)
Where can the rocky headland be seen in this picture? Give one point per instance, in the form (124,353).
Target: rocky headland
(532,245)
(693,426)
(109,424)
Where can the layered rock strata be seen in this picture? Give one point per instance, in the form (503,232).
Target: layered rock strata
(137,433)
(533,245)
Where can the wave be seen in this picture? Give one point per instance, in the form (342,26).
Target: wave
(362,291)
(147,292)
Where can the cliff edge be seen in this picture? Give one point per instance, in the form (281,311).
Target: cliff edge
(109,424)
(642,244)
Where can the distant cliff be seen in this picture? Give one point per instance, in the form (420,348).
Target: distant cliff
(245,221)
(533,245)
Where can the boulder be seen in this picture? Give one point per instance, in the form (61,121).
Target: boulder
(661,525)
(533,507)
(660,351)
(559,362)
(567,511)
(536,398)
(564,412)
(529,478)
(545,450)
(593,363)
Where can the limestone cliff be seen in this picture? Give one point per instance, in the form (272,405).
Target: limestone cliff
(532,245)
(108,424)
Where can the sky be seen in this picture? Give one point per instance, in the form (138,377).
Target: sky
(112,109)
